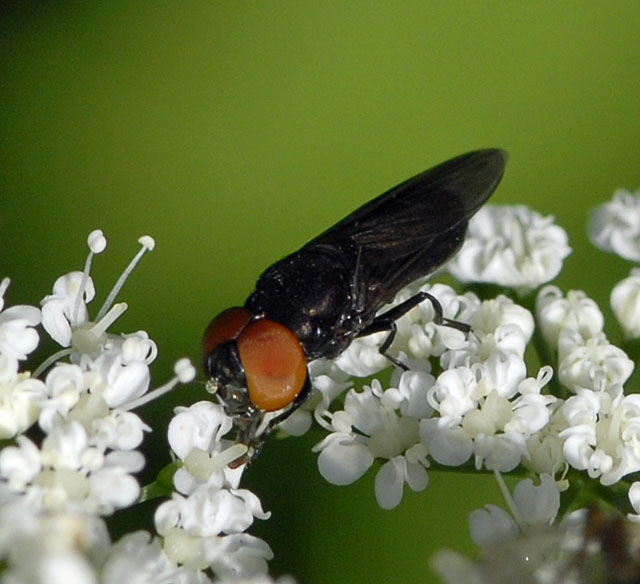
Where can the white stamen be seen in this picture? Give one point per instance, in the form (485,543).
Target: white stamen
(147,242)
(184,370)
(100,327)
(96,241)
(229,455)
(50,360)
(180,367)
(509,500)
(3,286)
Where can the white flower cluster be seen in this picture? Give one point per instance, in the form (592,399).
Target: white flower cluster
(87,457)
(203,524)
(58,481)
(511,246)
(615,227)
(452,399)
(471,398)
(527,545)
(482,404)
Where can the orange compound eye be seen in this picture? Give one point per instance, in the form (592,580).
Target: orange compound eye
(274,364)
(224,327)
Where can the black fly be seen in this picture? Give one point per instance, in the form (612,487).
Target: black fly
(314,302)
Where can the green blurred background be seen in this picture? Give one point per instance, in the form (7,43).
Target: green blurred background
(234,132)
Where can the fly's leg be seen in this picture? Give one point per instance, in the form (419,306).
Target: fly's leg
(387,322)
(248,427)
(258,441)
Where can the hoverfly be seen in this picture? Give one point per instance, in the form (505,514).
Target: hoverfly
(316,301)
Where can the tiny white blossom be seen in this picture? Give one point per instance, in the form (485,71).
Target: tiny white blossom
(205,529)
(62,311)
(603,433)
(328,382)
(500,328)
(45,548)
(545,448)
(362,357)
(18,337)
(491,525)
(625,303)
(392,476)
(20,464)
(369,427)
(424,338)
(139,557)
(20,400)
(65,384)
(211,511)
(634,499)
(615,225)
(118,381)
(537,505)
(453,394)
(511,246)
(117,430)
(409,393)
(237,556)
(532,505)
(490,410)
(593,362)
(576,311)
(491,314)
(344,457)
(196,436)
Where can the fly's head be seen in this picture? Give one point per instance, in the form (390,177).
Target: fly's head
(254,366)
(226,379)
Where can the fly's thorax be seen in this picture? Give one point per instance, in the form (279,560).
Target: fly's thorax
(310,293)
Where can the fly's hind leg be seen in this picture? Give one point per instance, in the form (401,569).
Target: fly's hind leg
(387,322)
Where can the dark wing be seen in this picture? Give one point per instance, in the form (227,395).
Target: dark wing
(414,228)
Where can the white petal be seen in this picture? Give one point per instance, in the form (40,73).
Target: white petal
(491,525)
(130,383)
(625,303)
(389,483)
(634,498)
(343,460)
(447,444)
(199,426)
(538,505)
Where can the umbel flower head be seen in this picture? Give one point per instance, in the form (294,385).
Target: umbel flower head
(536,387)
(615,225)
(511,246)
(57,483)
(88,455)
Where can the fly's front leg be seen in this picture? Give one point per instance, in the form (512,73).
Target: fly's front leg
(387,322)
(258,442)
